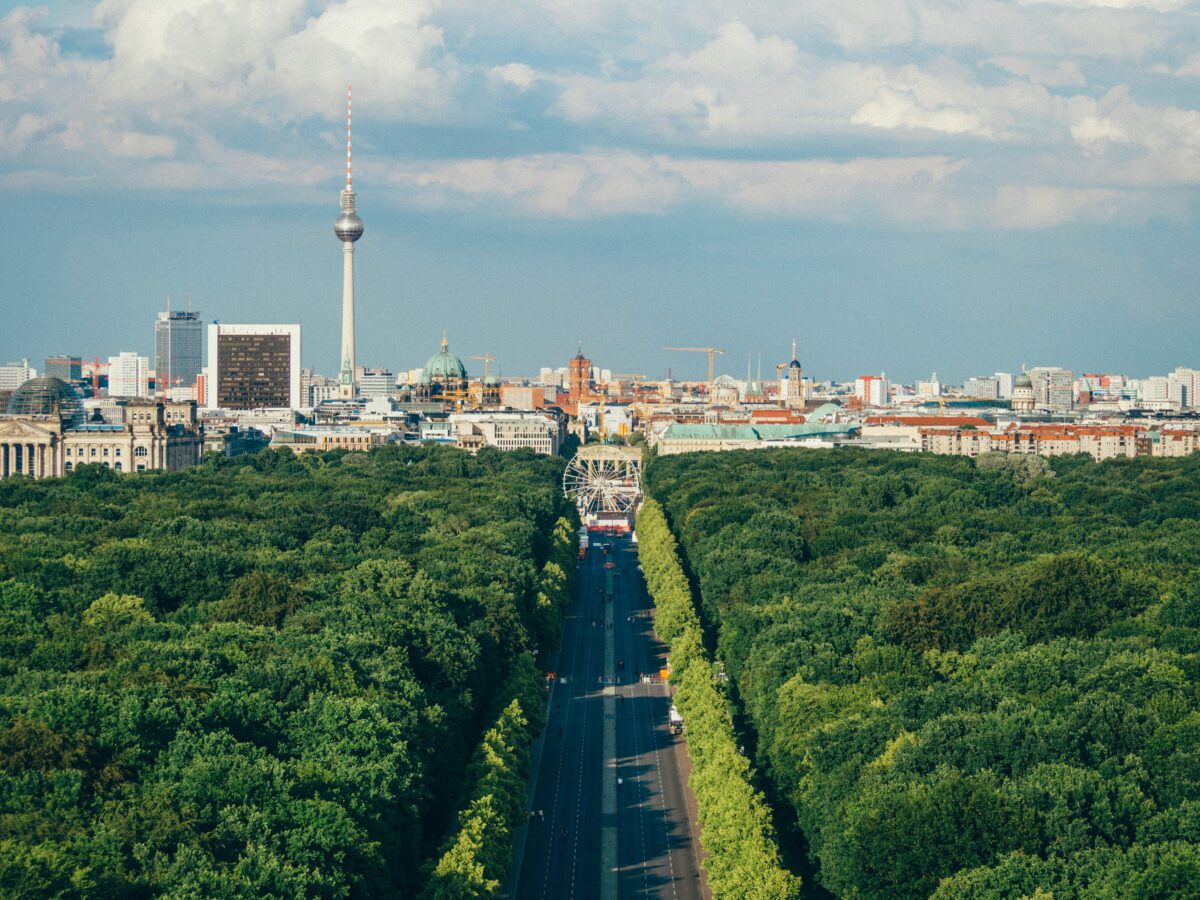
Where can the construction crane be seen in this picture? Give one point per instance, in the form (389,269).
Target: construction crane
(711,351)
(486,358)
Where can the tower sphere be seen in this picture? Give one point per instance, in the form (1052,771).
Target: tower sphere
(348,227)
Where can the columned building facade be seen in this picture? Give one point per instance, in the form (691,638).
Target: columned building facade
(43,435)
(30,448)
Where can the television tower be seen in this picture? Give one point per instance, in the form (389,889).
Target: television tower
(348,228)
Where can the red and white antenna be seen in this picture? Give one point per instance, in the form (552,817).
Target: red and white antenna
(349,106)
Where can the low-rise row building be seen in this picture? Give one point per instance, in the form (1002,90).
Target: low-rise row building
(1098,441)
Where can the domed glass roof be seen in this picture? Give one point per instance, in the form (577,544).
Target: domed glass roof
(48,396)
(444,366)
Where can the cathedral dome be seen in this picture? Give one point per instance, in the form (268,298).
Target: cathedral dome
(444,366)
(48,396)
(1022,381)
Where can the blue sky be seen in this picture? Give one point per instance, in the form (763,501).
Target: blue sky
(905,185)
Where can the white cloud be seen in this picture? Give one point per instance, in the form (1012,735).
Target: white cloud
(1093,132)
(1157,5)
(971,113)
(517,74)
(892,108)
(929,192)
(1039,206)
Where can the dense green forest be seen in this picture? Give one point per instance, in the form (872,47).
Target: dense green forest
(960,679)
(267,676)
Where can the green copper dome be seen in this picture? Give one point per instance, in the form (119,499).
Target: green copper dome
(444,366)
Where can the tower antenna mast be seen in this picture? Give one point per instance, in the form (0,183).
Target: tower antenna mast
(348,228)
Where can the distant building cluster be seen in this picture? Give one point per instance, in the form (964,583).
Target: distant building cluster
(247,389)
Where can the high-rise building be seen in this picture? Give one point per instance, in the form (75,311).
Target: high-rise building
(65,368)
(253,367)
(986,388)
(178,349)
(873,390)
(1004,384)
(348,228)
(1168,391)
(15,374)
(128,375)
(1190,379)
(1053,388)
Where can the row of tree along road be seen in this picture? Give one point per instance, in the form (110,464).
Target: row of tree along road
(741,857)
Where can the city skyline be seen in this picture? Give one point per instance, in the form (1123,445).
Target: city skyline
(902,194)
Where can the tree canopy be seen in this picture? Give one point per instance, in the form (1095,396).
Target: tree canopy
(266,676)
(962,680)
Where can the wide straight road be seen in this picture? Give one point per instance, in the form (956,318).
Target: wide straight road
(650,845)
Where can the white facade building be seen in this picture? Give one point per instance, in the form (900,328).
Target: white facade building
(1190,380)
(507,431)
(15,374)
(873,390)
(376,383)
(614,419)
(982,388)
(128,375)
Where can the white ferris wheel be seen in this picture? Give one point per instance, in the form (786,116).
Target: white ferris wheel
(603,478)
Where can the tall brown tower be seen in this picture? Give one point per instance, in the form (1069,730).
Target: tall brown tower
(581,377)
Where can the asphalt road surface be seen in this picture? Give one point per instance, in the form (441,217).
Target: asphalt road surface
(657,854)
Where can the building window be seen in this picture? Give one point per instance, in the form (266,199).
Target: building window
(106,451)
(141,451)
(117,466)
(69,466)
(141,467)
(93,451)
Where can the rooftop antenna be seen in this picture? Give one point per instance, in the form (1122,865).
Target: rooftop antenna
(349,107)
